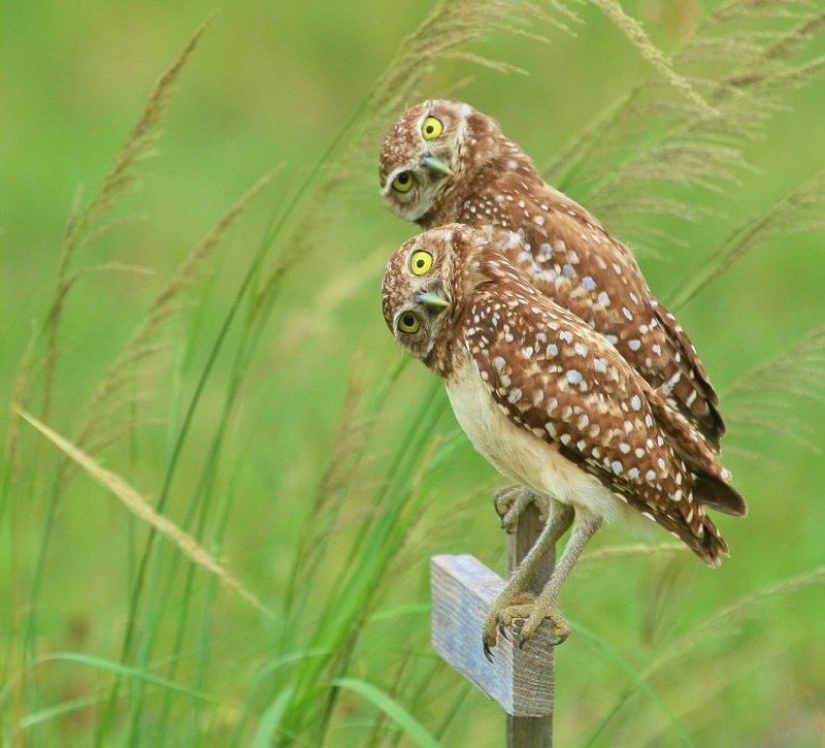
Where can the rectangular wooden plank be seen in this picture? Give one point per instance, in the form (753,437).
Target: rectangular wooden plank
(520,679)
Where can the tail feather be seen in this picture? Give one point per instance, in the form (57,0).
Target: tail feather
(711,546)
(716,494)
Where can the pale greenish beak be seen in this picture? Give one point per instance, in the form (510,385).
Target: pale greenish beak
(436,165)
(430,298)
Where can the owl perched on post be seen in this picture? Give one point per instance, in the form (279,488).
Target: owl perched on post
(551,404)
(444,162)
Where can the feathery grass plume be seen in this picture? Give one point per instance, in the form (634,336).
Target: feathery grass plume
(763,398)
(106,417)
(650,140)
(801,210)
(451,25)
(92,222)
(144,511)
(633,30)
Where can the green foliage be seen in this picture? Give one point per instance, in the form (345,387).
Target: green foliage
(222,483)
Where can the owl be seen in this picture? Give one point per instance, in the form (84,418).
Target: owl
(444,162)
(552,405)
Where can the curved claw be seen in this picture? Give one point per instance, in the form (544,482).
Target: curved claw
(518,620)
(543,610)
(511,502)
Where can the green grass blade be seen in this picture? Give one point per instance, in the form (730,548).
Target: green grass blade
(131,673)
(400,716)
(639,680)
(271,720)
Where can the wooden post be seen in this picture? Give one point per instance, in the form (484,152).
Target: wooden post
(520,679)
(531,731)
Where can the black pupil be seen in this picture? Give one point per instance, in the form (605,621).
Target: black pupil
(403,177)
(430,129)
(419,263)
(409,320)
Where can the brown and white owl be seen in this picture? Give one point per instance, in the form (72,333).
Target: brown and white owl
(552,405)
(444,162)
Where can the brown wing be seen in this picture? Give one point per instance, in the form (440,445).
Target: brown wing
(575,261)
(552,375)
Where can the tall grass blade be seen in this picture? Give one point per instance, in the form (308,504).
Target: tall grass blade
(411,727)
(270,721)
(118,668)
(639,680)
(719,626)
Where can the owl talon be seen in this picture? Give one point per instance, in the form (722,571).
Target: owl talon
(540,612)
(505,632)
(504,610)
(511,503)
(518,622)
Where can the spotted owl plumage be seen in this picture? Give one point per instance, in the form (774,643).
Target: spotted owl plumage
(444,162)
(546,399)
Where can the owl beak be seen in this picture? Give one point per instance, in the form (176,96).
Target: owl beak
(436,165)
(432,299)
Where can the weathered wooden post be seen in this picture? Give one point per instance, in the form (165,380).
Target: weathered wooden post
(521,680)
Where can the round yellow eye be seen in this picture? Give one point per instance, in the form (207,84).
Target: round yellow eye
(431,128)
(409,323)
(403,182)
(421,262)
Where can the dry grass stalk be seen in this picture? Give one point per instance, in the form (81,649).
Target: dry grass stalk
(90,224)
(104,420)
(143,510)
(763,398)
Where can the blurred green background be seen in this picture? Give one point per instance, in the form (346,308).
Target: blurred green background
(666,651)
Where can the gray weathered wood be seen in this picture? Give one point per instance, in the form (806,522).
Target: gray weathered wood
(521,680)
(530,731)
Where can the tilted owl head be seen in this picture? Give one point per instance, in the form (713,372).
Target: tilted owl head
(417,290)
(430,275)
(433,152)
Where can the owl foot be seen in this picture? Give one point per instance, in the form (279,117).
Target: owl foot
(518,618)
(511,502)
(498,618)
(534,614)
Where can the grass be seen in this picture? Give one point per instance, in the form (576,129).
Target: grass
(222,483)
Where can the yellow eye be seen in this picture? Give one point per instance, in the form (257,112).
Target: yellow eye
(403,182)
(421,262)
(409,323)
(431,128)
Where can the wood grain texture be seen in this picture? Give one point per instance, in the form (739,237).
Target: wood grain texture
(529,731)
(520,680)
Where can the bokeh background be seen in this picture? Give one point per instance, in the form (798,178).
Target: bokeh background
(270,416)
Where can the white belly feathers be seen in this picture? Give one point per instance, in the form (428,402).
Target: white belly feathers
(519,454)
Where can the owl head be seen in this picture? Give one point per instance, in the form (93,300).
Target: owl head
(432,275)
(437,149)
(418,290)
